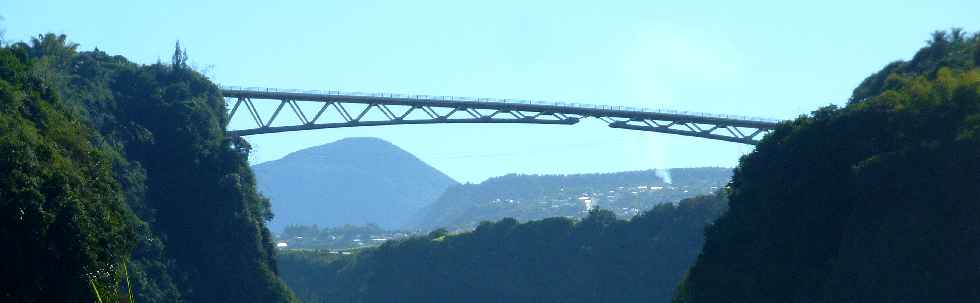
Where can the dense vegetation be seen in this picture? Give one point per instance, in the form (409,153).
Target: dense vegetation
(533,197)
(598,259)
(355,181)
(875,202)
(62,216)
(199,223)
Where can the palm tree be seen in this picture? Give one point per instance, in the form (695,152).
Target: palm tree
(52,52)
(938,44)
(49,44)
(957,34)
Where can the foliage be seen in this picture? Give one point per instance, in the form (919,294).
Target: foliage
(875,202)
(62,214)
(201,235)
(951,50)
(598,259)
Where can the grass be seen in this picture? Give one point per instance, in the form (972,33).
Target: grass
(99,298)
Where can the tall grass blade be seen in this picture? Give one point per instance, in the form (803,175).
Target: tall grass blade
(98,297)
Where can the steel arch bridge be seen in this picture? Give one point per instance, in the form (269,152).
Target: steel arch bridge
(373,109)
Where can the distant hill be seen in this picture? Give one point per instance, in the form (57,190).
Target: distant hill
(351,181)
(532,197)
(596,259)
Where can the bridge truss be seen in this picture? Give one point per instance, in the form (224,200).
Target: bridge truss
(360,109)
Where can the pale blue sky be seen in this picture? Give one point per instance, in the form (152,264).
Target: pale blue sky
(775,59)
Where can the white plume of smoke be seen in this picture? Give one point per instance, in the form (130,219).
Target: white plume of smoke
(659,154)
(664,175)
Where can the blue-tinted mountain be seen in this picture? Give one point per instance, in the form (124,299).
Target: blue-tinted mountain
(351,181)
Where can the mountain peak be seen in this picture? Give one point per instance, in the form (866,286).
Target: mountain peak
(360,142)
(349,181)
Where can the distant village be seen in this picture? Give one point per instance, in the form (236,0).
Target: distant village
(338,239)
(625,201)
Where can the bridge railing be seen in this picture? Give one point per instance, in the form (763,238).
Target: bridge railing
(493,100)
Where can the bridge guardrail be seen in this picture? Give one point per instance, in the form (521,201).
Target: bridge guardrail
(493,100)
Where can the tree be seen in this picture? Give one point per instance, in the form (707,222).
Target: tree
(201,238)
(854,204)
(957,35)
(179,58)
(597,259)
(59,203)
(51,45)
(3,31)
(938,43)
(976,49)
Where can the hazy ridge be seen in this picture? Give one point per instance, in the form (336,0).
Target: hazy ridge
(354,181)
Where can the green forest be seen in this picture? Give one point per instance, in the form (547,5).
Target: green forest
(874,202)
(116,180)
(597,259)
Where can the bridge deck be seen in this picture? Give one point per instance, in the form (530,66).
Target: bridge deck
(720,127)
